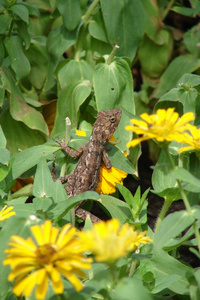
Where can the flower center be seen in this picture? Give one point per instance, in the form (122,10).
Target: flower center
(44,253)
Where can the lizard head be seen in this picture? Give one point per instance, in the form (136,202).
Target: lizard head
(107,122)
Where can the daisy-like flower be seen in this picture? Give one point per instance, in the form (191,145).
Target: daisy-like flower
(6,213)
(191,139)
(52,254)
(165,125)
(109,241)
(108,179)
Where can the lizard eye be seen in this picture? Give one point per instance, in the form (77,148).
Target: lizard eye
(112,119)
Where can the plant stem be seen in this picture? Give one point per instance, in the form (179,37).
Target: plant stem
(112,54)
(67,139)
(90,10)
(163,212)
(166,11)
(185,200)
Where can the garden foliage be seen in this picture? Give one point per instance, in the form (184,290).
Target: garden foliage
(73,58)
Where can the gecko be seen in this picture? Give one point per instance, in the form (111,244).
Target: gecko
(85,176)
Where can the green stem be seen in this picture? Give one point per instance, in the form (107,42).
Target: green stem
(90,10)
(163,212)
(67,139)
(166,11)
(184,198)
(112,54)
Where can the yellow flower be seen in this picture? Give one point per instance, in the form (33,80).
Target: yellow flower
(51,255)
(192,139)
(6,213)
(109,241)
(108,179)
(80,132)
(165,125)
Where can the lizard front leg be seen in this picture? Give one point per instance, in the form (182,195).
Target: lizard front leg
(70,151)
(106,159)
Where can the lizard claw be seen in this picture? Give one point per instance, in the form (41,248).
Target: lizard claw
(60,141)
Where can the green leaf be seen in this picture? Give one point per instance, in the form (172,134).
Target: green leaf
(70,11)
(2,53)
(30,157)
(173,225)
(43,183)
(74,71)
(189,182)
(4,156)
(23,32)
(2,139)
(162,178)
(169,274)
(18,135)
(69,103)
(21,11)
(179,66)
(124,24)
(153,21)
(19,62)
(97,28)
(119,161)
(117,208)
(59,40)
(61,208)
(153,65)
(19,110)
(5,22)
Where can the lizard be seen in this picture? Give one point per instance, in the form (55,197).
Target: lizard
(85,176)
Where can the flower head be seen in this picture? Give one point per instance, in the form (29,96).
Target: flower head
(108,179)
(191,139)
(6,213)
(165,125)
(109,241)
(51,255)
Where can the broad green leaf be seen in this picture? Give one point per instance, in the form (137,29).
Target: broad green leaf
(74,71)
(4,156)
(118,160)
(179,66)
(187,11)
(59,40)
(23,32)
(169,274)
(68,105)
(113,86)
(124,24)
(70,11)
(30,157)
(191,39)
(2,53)
(21,11)
(2,139)
(153,65)
(18,135)
(97,27)
(153,21)
(43,183)
(5,22)
(162,178)
(147,271)
(61,208)
(189,182)
(130,289)
(19,62)
(173,225)
(116,208)
(19,110)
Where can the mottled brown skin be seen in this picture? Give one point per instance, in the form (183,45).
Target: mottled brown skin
(86,174)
